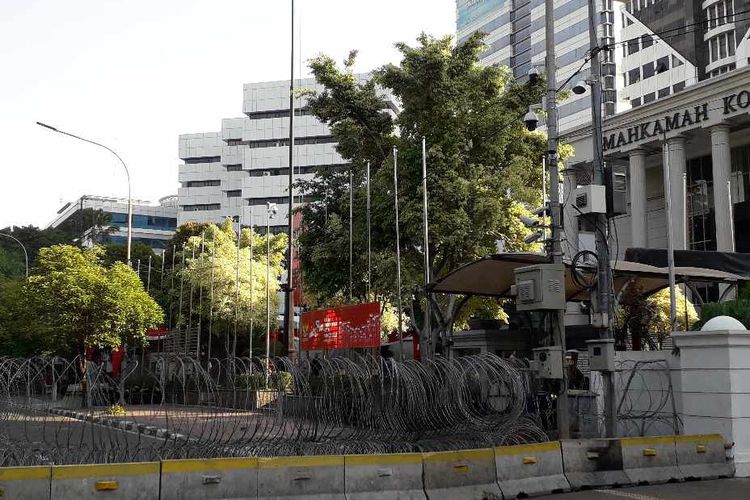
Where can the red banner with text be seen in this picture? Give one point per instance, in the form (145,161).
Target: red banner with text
(341,327)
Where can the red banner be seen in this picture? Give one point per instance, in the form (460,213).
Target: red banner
(341,327)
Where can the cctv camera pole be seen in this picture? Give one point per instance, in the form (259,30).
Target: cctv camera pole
(603,302)
(558,317)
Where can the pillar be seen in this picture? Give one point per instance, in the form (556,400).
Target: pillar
(638,218)
(722,167)
(675,159)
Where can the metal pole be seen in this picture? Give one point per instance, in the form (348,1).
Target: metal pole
(252,283)
(398,257)
(731,215)
(604,286)
(426,244)
(288,336)
(558,318)
(25,253)
(237,288)
(351,235)
(369,236)
(148,279)
(161,280)
(544,199)
(211,303)
(127,173)
(200,298)
(268,293)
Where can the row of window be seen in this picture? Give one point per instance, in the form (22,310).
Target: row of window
(203,159)
(724,69)
(634,5)
(634,45)
(271,143)
(649,69)
(652,96)
(199,184)
(279,113)
(721,46)
(720,13)
(201,207)
(143,221)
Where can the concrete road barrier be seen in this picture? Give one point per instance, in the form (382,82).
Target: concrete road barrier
(650,460)
(384,477)
(17,483)
(530,469)
(210,479)
(465,474)
(703,457)
(593,463)
(135,481)
(313,478)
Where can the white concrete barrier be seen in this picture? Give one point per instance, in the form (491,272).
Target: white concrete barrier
(703,457)
(593,463)
(650,460)
(384,477)
(465,474)
(313,478)
(135,481)
(18,483)
(530,469)
(210,479)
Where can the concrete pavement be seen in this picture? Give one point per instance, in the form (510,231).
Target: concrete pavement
(721,489)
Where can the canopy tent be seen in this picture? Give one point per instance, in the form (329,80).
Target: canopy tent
(493,276)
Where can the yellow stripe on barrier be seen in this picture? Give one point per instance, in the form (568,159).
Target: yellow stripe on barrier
(212,464)
(317,461)
(645,441)
(455,456)
(107,486)
(699,438)
(394,459)
(23,473)
(106,470)
(527,449)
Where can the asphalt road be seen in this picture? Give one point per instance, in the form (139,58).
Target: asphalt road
(721,489)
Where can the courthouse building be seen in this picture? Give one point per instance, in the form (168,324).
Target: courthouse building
(703,135)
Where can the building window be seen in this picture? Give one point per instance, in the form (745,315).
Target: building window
(635,102)
(678,87)
(234,142)
(198,184)
(676,61)
(203,159)
(647,41)
(662,64)
(237,167)
(648,70)
(234,193)
(663,92)
(201,207)
(633,46)
(649,97)
(634,75)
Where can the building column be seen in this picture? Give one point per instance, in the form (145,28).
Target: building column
(721,157)
(676,160)
(638,218)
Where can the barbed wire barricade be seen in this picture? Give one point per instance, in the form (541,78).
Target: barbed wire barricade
(58,411)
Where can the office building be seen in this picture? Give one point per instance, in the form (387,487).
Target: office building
(153,223)
(235,172)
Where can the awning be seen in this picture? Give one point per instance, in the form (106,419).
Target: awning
(493,276)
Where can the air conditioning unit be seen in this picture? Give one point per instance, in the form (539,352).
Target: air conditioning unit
(591,199)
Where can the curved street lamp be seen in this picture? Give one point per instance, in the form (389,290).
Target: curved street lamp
(127,172)
(25,253)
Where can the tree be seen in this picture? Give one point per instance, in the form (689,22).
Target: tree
(738,309)
(77,302)
(210,276)
(483,169)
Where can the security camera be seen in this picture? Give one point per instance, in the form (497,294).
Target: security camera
(532,237)
(579,88)
(533,75)
(528,221)
(531,121)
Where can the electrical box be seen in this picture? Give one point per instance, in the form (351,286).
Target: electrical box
(591,199)
(540,287)
(616,182)
(548,362)
(601,355)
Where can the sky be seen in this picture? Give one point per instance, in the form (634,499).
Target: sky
(135,74)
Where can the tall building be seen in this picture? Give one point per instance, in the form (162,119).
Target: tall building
(516,38)
(235,172)
(153,223)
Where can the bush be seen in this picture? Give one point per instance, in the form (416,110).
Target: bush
(251,381)
(116,410)
(738,309)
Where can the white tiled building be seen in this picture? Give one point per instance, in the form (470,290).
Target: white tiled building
(233,173)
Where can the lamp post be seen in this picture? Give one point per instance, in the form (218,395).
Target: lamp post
(127,173)
(271,210)
(25,253)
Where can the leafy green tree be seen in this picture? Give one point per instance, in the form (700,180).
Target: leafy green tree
(210,275)
(76,302)
(483,170)
(738,309)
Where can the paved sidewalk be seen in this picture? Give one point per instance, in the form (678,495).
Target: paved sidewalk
(722,489)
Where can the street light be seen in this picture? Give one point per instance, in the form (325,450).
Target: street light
(127,172)
(25,253)
(271,210)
